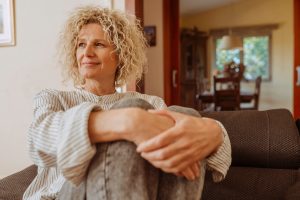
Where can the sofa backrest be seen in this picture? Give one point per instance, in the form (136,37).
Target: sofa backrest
(268,139)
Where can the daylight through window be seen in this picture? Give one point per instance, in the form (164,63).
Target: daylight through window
(255,56)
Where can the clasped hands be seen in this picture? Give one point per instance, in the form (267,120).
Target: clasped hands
(170,141)
(179,142)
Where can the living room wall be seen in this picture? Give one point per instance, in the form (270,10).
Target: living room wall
(279,91)
(26,68)
(154,78)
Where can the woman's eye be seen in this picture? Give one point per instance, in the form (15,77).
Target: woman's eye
(99,44)
(81,44)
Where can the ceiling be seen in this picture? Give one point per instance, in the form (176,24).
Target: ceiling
(194,6)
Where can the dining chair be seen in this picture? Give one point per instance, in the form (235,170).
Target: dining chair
(256,94)
(227,93)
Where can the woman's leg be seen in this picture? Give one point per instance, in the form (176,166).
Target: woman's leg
(118,172)
(174,187)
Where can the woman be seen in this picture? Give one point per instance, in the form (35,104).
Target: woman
(102,49)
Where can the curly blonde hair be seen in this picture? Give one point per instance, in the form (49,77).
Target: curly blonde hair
(123,31)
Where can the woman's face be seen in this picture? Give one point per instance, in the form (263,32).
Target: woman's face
(95,57)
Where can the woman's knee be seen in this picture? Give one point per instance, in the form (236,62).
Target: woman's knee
(185,110)
(132,102)
(118,170)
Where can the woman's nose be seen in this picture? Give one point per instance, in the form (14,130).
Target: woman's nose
(89,51)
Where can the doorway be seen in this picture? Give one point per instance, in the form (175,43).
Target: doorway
(297,58)
(172,58)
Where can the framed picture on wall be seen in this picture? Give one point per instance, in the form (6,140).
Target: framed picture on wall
(150,33)
(7,24)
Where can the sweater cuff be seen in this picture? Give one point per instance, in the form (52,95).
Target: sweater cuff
(75,150)
(220,161)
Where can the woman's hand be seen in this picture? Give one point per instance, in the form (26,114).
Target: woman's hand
(180,147)
(145,125)
(142,125)
(136,125)
(190,172)
(131,124)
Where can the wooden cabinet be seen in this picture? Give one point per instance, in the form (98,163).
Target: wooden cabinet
(193,68)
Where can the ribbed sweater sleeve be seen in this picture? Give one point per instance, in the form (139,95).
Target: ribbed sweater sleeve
(220,161)
(59,138)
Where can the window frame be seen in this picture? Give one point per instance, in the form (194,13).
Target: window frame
(242,55)
(246,31)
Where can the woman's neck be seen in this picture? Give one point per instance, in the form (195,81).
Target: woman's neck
(98,88)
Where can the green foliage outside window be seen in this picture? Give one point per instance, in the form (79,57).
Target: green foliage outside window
(256,56)
(223,57)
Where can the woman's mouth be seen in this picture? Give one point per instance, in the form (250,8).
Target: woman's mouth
(90,64)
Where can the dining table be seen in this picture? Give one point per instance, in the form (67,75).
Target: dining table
(207,97)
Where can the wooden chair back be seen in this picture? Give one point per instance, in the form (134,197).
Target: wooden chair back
(257,92)
(253,105)
(227,93)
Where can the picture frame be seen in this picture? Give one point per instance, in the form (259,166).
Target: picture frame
(7,23)
(150,34)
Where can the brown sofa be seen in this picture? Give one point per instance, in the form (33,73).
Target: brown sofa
(266,159)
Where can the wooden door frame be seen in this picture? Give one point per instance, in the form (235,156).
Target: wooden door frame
(136,7)
(171,47)
(296,57)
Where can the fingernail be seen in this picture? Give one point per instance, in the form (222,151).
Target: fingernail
(138,149)
(191,178)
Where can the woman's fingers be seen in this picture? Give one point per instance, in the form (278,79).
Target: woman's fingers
(158,141)
(174,164)
(196,169)
(192,172)
(192,139)
(167,151)
(173,115)
(189,174)
(164,138)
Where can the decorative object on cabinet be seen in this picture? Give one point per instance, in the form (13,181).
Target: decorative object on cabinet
(193,69)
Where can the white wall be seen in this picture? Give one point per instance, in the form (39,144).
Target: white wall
(27,68)
(154,78)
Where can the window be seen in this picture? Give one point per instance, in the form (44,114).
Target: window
(255,56)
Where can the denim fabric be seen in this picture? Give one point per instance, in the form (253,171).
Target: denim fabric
(118,172)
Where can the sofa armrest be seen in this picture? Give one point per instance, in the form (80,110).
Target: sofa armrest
(268,139)
(293,192)
(13,187)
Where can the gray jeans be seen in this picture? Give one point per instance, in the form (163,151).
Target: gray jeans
(118,172)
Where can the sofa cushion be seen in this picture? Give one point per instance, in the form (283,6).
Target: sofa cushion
(261,138)
(293,192)
(245,183)
(13,186)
